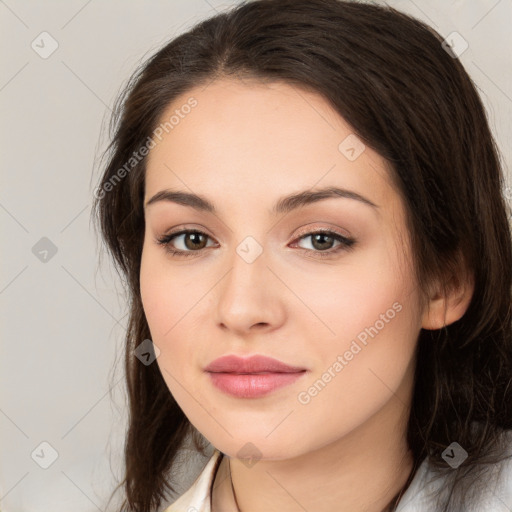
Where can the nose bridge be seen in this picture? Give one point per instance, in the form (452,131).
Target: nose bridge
(244,298)
(248,263)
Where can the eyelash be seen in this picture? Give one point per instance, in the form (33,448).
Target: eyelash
(346,244)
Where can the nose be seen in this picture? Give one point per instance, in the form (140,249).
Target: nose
(250,297)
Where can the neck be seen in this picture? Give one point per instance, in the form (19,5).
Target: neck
(364,470)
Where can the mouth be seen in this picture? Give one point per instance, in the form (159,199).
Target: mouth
(253,364)
(254,384)
(251,377)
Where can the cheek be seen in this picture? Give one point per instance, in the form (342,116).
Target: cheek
(346,298)
(370,324)
(171,298)
(164,301)
(163,293)
(165,307)
(154,299)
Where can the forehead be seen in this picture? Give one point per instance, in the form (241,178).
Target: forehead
(251,139)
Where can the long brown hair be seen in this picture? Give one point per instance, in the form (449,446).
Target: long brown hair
(407,97)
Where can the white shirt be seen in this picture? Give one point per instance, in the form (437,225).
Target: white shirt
(415,499)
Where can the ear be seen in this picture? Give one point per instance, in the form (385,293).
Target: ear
(447,306)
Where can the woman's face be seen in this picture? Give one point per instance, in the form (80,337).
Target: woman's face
(256,281)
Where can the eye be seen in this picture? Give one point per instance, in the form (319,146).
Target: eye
(194,242)
(322,241)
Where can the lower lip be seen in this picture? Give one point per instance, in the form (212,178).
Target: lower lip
(252,385)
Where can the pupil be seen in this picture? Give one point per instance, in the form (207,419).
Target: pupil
(195,237)
(320,236)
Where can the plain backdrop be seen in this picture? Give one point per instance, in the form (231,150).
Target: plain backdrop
(63,314)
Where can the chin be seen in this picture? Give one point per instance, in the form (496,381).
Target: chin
(255,448)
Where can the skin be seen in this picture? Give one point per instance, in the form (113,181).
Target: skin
(243,146)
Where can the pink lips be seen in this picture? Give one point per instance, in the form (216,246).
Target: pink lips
(251,377)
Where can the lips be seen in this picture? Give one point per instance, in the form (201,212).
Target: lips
(252,364)
(251,377)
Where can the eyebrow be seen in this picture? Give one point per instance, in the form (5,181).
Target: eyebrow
(283,205)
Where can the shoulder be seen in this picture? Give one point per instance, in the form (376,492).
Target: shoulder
(197,497)
(495,491)
(499,478)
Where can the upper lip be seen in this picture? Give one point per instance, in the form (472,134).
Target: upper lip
(253,364)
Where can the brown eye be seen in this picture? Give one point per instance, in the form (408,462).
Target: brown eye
(322,243)
(193,241)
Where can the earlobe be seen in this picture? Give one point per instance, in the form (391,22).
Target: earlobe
(444,308)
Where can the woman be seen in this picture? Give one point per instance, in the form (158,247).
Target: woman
(307,204)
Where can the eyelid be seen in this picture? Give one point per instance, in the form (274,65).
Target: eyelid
(345,241)
(318,228)
(305,230)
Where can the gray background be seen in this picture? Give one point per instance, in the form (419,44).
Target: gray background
(63,314)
